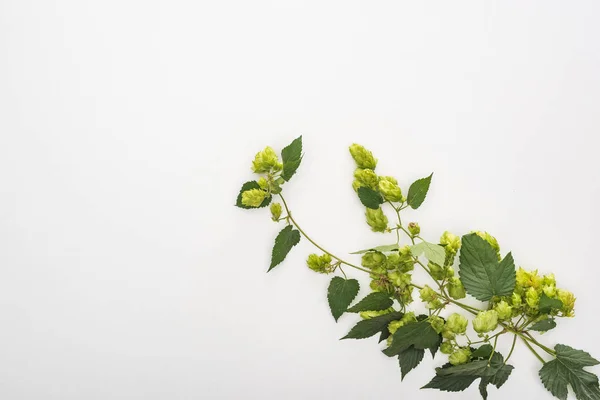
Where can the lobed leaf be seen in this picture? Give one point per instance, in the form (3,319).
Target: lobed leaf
(481,274)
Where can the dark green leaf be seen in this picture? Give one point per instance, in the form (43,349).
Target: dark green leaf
(418,191)
(247,186)
(369,327)
(287,238)
(409,359)
(567,369)
(548,304)
(433,252)
(480,272)
(450,383)
(384,249)
(375,301)
(369,197)
(421,335)
(543,325)
(340,294)
(291,155)
(474,368)
(501,376)
(483,351)
(385,333)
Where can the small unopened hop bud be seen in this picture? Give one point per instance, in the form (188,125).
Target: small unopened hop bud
(275,211)
(457,324)
(253,197)
(376,220)
(504,310)
(363,157)
(265,160)
(414,228)
(460,356)
(485,321)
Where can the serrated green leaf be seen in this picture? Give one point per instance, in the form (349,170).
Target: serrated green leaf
(475,368)
(291,155)
(483,351)
(369,327)
(421,335)
(433,252)
(498,379)
(450,383)
(567,369)
(375,301)
(384,249)
(287,238)
(409,359)
(543,325)
(340,294)
(481,274)
(548,304)
(418,191)
(369,198)
(247,186)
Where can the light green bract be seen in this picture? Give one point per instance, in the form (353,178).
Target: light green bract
(519,304)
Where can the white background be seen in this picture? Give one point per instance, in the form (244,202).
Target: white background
(127,128)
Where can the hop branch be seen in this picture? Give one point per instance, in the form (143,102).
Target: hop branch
(519,303)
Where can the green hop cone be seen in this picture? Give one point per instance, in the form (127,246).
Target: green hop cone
(450,242)
(253,197)
(376,220)
(437,323)
(373,259)
(427,294)
(363,157)
(549,290)
(393,261)
(365,177)
(485,321)
(398,279)
(528,279)
(447,333)
(263,183)
(460,356)
(549,279)
(447,348)
(491,240)
(457,324)
(373,314)
(437,272)
(266,160)
(320,264)
(435,304)
(382,285)
(414,228)
(516,300)
(504,310)
(568,300)
(532,297)
(275,211)
(390,190)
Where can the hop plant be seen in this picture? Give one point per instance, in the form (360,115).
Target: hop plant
(513,303)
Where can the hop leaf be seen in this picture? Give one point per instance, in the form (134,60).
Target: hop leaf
(340,294)
(372,326)
(417,192)
(409,359)
(433,252)
(375,301)
(291,156)
(287,238)
(369,197)
(567,369)
(480,272)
